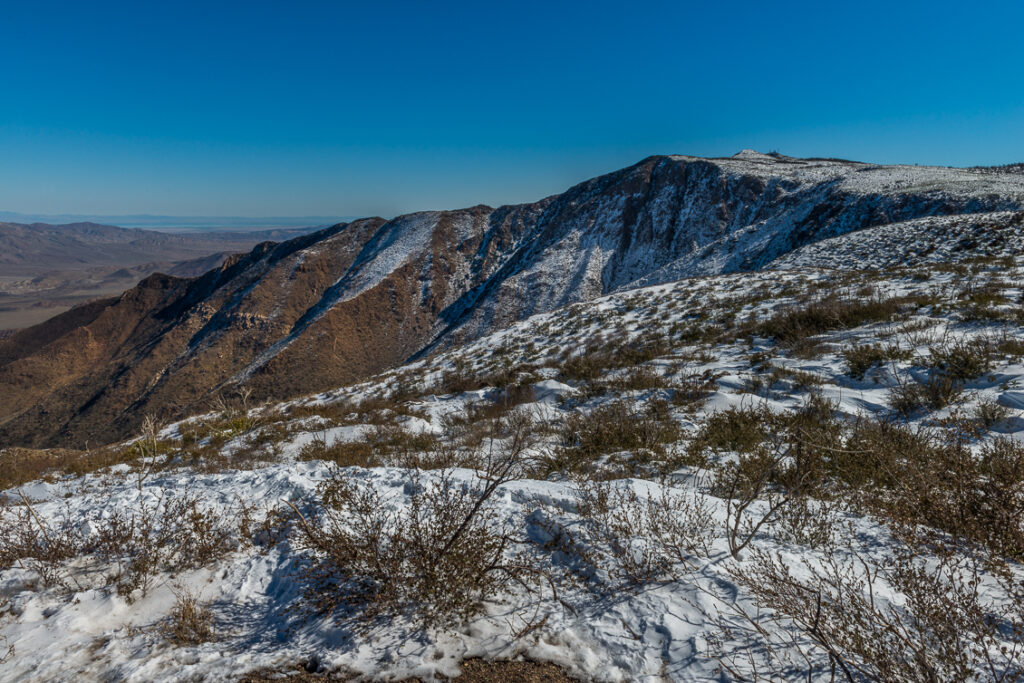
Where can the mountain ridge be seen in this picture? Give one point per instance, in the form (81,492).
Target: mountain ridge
(353,299)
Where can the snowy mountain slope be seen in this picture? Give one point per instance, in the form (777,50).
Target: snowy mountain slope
(937,239)
(674,217)
(358,298)
(701,346)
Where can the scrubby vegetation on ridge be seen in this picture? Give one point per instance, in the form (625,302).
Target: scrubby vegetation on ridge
(822,471)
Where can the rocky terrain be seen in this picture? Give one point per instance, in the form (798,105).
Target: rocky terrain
(357,298)
(508,446)
(683,475)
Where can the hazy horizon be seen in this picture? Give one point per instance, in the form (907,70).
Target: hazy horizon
(176,223)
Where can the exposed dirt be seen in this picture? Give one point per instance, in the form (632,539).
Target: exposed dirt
(473,671)
(326,309)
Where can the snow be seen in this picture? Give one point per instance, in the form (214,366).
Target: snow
(96,634)
(656,633)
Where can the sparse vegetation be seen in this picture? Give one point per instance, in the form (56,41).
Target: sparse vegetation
(435,562)
(826,618)
(612,428)
(862,358)
(458,488)
(629,539)
(131,545)
(794,327)
(190,622)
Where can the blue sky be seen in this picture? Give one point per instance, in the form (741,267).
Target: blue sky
(341,109)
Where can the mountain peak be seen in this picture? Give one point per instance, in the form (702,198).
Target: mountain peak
(753,154)
(340,305)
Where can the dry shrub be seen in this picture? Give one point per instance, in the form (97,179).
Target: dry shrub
(691,388)
(1011,346)
(385,444)
(799,442)
(920,476)
(21,465)
(379,409)
(164,536)
(740,429)
(601,355)
(988,413)
(611,428)
(190,622)
(435,560)
(862,358)
(340,452)
(945,486)
(936,391)
(463,377)
(827,618)
(792,327)
(792,379)
(129,546)
(962,360)
(751,499)
(43,547)
(591,363)
(639,378)
(950,365)
(808,522)
(477,422)
(636,539)
(926,477)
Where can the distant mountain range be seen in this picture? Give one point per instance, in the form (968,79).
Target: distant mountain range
(25,249)
(45,269)
(342,303)
(176,223)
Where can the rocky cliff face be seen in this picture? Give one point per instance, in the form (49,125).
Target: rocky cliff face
(332,307)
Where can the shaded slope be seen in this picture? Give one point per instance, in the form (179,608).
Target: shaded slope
(349,301)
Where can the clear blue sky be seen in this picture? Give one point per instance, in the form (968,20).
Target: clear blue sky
(338,108)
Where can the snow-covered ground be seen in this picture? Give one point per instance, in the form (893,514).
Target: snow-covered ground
(602,626)
(936,239)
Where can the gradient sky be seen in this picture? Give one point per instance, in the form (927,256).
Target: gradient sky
(340,109)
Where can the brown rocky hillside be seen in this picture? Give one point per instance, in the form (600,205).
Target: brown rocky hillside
(340,304)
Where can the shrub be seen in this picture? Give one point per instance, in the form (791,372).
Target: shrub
(341,453)
(21,465)
(989,413)
(943,627)
(612,428)
(808,522)
(1012,346)
(936,391)
(962,360)
(862,358)
(691,389)
(640,378)
(434,561)
(32,543)
(386,444)
(626,540)
(166,535)
(744,483)
(600,356)
(793,326)
(733,429)
(190,621)
(912,477)
(917,479)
